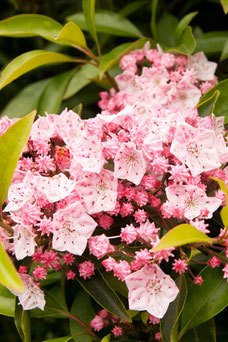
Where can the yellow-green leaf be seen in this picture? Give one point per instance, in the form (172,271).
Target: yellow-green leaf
(29,25)
(29,61)
(206,108)
(224,4)
(71,34)
(11,145)
(8,274)
(181,235)
(106,338)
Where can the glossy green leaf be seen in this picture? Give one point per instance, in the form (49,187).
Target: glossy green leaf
(221,105)
(108,22)
(28,25)
(71,34)
(7,302)
(224,54)
(29,61)
(8,274)
(106,338)
(205,301)
(181,235)
(83,310)
(187,43)
(211,42)
(117,285)
(115,55)
(170,322)
(25,101)
(166,28)
(11,145)
(224,4)
(132,7)
(101,291)
(144,316)
(52,96)
(224,211)
(153,18)
(55,300)
(207,107)
(183,23)
(81,78)
(22,323)
(204,332)
(88,7)
(60,339)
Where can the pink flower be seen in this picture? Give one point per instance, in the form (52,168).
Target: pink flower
(225,270)
(55,188)
(192,200)
(117,331)
(70,275)
(33,296)
(68,259)
(24,241)
(97,323)
(198,280)
(196,147)
(151,289)
(99,191)
(122,269)
(105,221)
(214,262)
(204,69)
(40,272)
(71,229)
(86,269)
(140,215)
(129,163)
(128,234)
(99,246)
(179,266)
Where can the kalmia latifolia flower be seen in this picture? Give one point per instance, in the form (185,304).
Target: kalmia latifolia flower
(99,194)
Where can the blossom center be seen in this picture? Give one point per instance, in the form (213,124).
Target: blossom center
(193,149)
(153,286)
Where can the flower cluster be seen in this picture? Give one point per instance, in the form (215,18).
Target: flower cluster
(98,186)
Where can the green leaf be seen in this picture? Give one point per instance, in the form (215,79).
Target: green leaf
(71,34)
(52,96)
(116,284)
(224,54)
(115,55)
(132,7)
(106,338)
(211,42)
(224,211)
(25,101)
(88,7)
(8,274)
(81,78)
(170,322)
(221,105)
(83,310)
(60,339)
(181,235)
(29,25)
(11,145)
(205,301)
(224,4)
(204,332)
(104,295)
(166,28)
(108,22)
(22,322)
(153,19)
(144,316)
(7,302)
(187,44)
(29,61)
(183,23)
(55,299)
(207,107)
